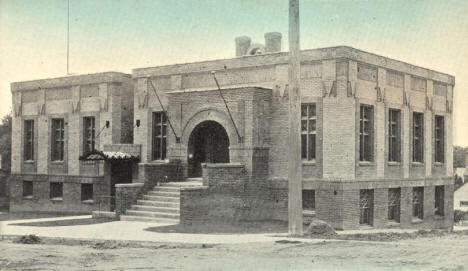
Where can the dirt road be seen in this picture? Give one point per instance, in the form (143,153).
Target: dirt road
(444,253)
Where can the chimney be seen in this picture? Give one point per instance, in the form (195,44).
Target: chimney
(272,42)
(242,44)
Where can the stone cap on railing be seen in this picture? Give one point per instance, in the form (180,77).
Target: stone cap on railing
(129,185)
(222,165)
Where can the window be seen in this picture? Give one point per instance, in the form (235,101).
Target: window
(365,133)
(394,135)
(418,137)
(463,203)
(308,131)
(27,189)
(89,137)
(56,191)
(159,135)
(57,139)
(439,139)
(308,199)
(418,202)
(366,206)
(439,200)
(29,140)
(86,191)
(394,196)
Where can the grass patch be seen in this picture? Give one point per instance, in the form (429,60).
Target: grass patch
(392,236)
(67,222)
(31,215)
(28,239)
(225,228)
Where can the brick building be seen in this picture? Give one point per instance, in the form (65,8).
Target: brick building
(376,139)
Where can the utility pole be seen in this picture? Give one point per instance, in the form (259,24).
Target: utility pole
(294,154)
(68,36)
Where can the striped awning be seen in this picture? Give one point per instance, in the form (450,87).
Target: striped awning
(109,156)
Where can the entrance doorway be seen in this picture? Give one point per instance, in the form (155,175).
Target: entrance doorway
(121,172)
(208,143)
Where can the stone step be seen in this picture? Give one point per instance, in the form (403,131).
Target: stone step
(166,188)
(163,194)
(152,214)
(148,219)
(158,203)
(155,209)
(180,184)
(160,198)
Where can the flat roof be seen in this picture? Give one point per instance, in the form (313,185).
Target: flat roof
(81,79)
(319,54)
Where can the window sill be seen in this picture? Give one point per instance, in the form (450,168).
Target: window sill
(28,197)
(88,201)
(366,227)
(416,220)
(393,224)
(28,161)
(56,199)
(438,164)
(438,217)
(394,164)
(366,164)
(310,212)
(309,162)
(61,162)
(417,164)
(166,161)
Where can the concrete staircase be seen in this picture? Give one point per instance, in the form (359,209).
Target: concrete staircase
(160,205)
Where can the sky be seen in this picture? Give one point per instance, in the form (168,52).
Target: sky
(120,35)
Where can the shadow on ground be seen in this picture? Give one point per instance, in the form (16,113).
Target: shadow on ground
(225,228)
(7,216)
(67,222)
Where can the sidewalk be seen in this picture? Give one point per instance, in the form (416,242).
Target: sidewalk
(129,231)
(135,231)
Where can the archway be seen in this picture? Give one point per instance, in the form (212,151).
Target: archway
(208,143)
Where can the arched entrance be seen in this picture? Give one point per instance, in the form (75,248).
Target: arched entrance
(208,143)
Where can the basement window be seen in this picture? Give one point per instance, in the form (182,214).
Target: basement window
(439,200)
(308,199)
(366,133)
(27,189)
(394,196)
(308,131)
(56,191)
(418,202)
(366,206)
(86,192)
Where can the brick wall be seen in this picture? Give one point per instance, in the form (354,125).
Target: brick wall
(338,204)
(228,195)
(71,200)
(126,195)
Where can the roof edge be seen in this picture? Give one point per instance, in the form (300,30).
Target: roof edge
(79,79)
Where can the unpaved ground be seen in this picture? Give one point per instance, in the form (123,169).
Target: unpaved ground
(440,253)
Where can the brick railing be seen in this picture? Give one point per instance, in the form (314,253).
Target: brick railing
(125,196)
